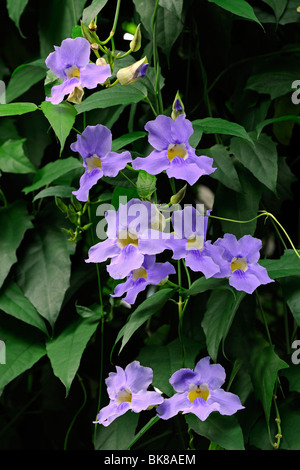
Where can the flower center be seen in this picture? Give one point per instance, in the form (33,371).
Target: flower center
(123,396)
(195,242)
(177,150)
(126,238)
(93,162)
(199,391)
(238,263)
(138,273)
(72,71)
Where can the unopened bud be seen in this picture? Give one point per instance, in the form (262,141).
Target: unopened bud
(133,72)
(136,42)
(177,198)
(95,46)
(88,34)
(76,95)
(101,61)
(178,107)
(92,26)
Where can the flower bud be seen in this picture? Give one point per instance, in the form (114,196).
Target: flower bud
(135,44)
(76,95)
(101,61)
(92,26)
(177,198)
(178,107)
(88,34)
(133,72)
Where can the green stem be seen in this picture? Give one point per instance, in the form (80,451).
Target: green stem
(78,411)
(130,181)
(264,317)
(158,97)
(143,431)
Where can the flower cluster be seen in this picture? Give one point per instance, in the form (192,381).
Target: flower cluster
(198,391)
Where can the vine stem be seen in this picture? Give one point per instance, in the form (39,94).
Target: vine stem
(158,97)
(78,411)
(142,431)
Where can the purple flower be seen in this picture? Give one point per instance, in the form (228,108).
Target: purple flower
(199,392)
(150,273)
(173,153)
(94,145)
(127,390)
(240,262)
(131,236)
(189,242)
(71,62)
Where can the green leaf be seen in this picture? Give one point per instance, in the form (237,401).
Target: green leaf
(221,126)
(23,78)
(240,206)
(287,265)
(175,6)
(265,123)
(226,171)
(274,83)
(126,139)
(264,367)
(145,185)
(23,348)
(291,293)
(14,303)
(65,351)
(56,191)
(117,95)
(218,317)
(223,430)
(16,109)
(167,359)
(238,7)
(202,285)
(260,159)
(90,12)
(123,192)
(14,222)
(61,117)
(118,435)
(144,311)
(44,271)
(278,6)
(52,171)
(15,9)
(13,158)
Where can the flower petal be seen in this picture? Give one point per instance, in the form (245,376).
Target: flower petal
(143,400)
(154,164)
(87,181)
(160,130)
(115,382)
(182,378)
(212,374)
(113,162)
(92,75)
(129,259)
(94,140)
(182,170)
(138,377)
(199,261)
(229,402)
(58,92)
(172,406)
(181,130)
(103,250)
(71,52)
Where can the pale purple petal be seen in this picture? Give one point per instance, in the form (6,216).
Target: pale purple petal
(182,378)
(143,400)
(244,281)
(204,163)
(230,245)
(229,402)
(159,272)
(137,286)
(202,409)
(154,164)
(212,374)
(92,75)
(181,130)
(86,182)
(174,405)
(113,162)
(260,272)
(123,287)
(129,259)
(94,140)
(188,222)
(160,132)
(112,411)
(250,248)
(58,92)
(138,377)
(103,250)
(178,246)
(71,52)
(153,242)
(115,381)
(199,261)
(149,261)
(182,170)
